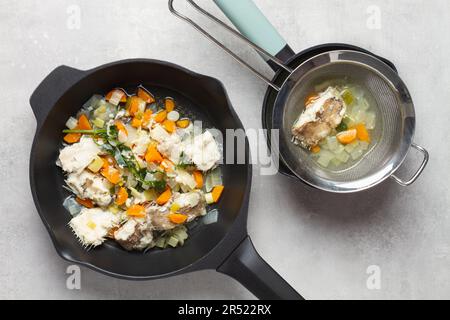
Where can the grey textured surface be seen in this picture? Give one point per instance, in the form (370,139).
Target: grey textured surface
(321,243)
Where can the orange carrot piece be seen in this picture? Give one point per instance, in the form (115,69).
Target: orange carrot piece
(145,95)
(147,117)
(198,176)
(153,155)
(133,105)
(121,127)
(109,172)
(169,126)
(183,123)
(85,202)
(170,104)
(164,197)
(83,123)
(362,133)
(160,116)
(177,218)
(217,192)
(136,123)
(315,149)
(136,211)
(346,137)
(72,137)
(122,196)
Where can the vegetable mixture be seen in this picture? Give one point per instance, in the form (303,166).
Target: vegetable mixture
(336,126)
(140,173)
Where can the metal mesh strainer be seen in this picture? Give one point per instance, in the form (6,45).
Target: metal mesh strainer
(394,107)
(395,113)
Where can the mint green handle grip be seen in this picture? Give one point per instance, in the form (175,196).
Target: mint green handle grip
(252,23)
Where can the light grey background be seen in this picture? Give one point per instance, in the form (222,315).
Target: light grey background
(321,243)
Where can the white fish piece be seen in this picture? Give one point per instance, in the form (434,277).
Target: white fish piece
(140,142)
(171,148)
(134,235)
(87,185)
(159,134)
(126,230)
(160,218)
(185,178)
(319,118)
(191,204)
(91,226)
(187,200)
(203,150)
(76,157)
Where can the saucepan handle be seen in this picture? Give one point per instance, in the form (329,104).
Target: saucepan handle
(51,88)
(419,171)
(254,25)
(236,11)
(246,266)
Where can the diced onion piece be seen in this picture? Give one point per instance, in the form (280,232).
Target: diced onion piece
(92,103)
(99,123)
(343,156)
(71,123)
(214,178)
(364,145)
(209,198)
(116,96)
(348,97)
(332,143)
(357,153)
(173,115)
(336,162)
(370,120)
(325,158)
(172,241)
(161,243)
(96,164)
(350,147)
(72,206)
(363,104)
(358,115)
(181,235)
(211,217)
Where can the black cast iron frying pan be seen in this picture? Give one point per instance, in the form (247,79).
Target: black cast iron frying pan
(224,246)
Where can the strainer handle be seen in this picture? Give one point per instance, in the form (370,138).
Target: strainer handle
(426,157)
(205,13)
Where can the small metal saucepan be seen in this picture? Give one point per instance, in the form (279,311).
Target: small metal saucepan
(293,82)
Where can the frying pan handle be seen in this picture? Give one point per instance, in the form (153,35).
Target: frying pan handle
(252,23)
(426,157)
(50,90)
(246,266)
(274,60)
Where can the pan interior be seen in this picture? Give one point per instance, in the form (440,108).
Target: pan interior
(394,128)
